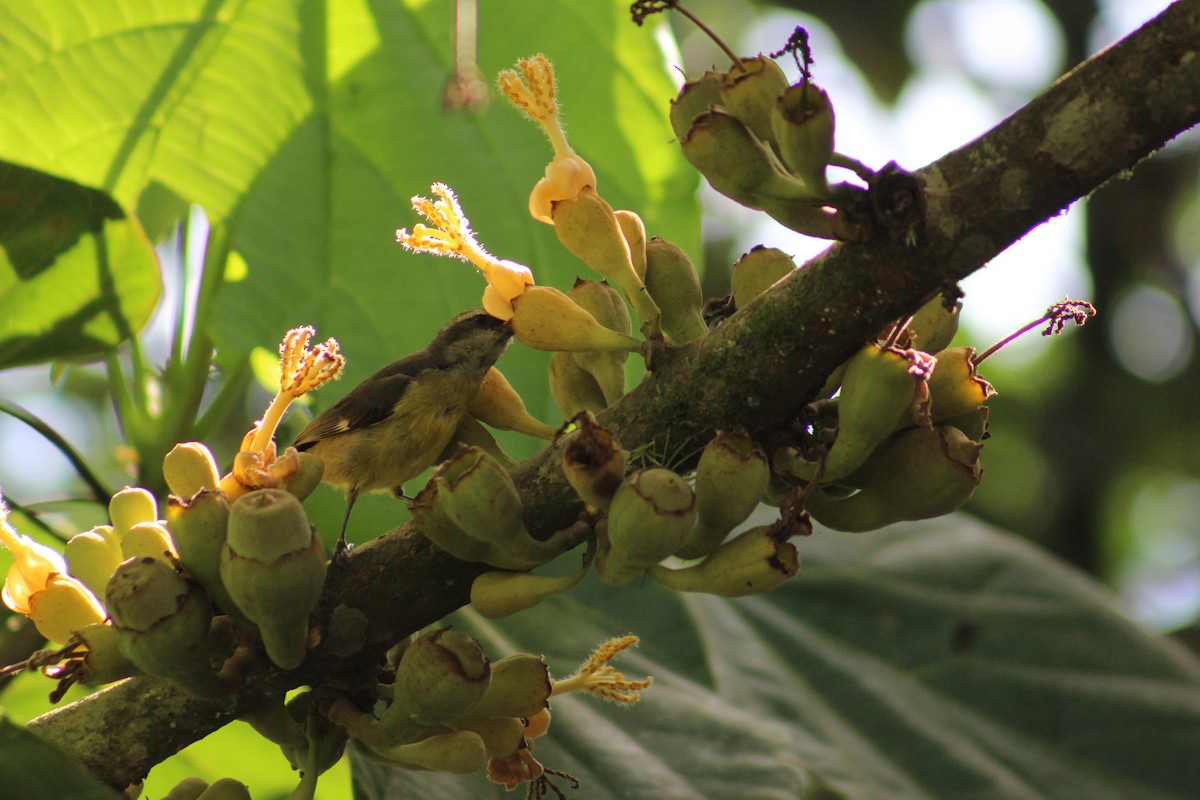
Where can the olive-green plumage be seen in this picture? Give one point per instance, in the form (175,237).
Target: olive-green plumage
(393,425)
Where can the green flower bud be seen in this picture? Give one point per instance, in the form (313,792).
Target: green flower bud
(750,92)
(430,516)
(573,388)
(588,227)
(634,231)
(103,663)
(478,496)
(501,594)
(442,675)
(973,424)
(93,556)
(731,477)
(190,468)
(879,390)
(546,319)
(198,525)
(301,483)
(757,271)
(148,539)
(459,752)
(651,515)
(162,622)
(802,124)
(697,96)
(754,561)
(923,473)
(593,461)
(499,405)
(955,386)
(501,736)
(273,566)
(933,326)
(672,281)
(605,304)
(738,164)
(520,687)
(130,506)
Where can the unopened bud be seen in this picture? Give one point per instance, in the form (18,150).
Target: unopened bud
(757,271)
(752,562)
(697,96)
(93,556)
(499,405)
(149,539)
(190,468)
(604,303)
(652,513)
(546,319)
(573,388)
(273,566)
(672,281)
(731,477)
(802,124)
(162,622)
(750,91)
(130,506)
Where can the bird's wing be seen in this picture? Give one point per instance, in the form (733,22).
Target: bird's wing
(366,405)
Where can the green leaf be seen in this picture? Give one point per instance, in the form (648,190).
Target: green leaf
(924,661)
(34,769)
(307,126)
(77,276)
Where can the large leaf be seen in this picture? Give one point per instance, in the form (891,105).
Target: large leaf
(77,276)
(306,126)
(932,661)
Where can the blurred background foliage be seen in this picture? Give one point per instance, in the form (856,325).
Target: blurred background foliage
(1096,456)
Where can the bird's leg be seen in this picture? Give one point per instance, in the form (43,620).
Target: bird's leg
(342,548)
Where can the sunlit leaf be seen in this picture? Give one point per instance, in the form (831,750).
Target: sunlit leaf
(77,275)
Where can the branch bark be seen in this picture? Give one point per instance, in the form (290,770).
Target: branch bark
(754,372)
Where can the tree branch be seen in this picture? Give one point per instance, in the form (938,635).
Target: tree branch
(754,372)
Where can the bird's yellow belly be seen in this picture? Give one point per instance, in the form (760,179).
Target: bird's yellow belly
(397,450)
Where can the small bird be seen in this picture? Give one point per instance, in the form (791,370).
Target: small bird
(394,424)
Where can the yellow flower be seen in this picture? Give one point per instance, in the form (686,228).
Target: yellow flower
(38,586)
(302,370)
(451,236)
(535,96)
(32,566)
(596,675)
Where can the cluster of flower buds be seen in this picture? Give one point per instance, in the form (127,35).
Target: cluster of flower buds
(764,142)
(451,709)
(471,509)
(910,425)
(139,595)
(652,514)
